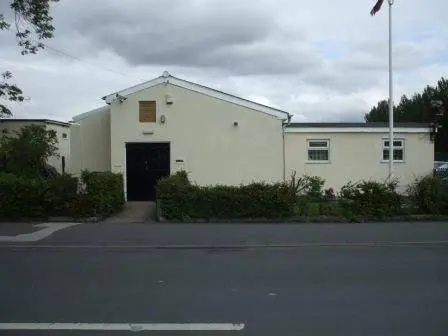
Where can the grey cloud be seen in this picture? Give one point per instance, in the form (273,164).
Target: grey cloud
(235,37)
(285,54)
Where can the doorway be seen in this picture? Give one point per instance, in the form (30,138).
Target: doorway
(146,163)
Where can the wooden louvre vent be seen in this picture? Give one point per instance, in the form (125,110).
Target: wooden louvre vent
(147,111)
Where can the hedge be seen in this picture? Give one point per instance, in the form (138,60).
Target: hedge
(179,199)
(103,195)
(36,198)
(371,199)
(430,195)
(26,198)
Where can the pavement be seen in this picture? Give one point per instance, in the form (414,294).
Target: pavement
(253,279)
(135,212)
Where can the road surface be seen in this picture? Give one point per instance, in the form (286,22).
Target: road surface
(298,289)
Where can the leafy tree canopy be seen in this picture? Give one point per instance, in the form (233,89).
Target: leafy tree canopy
(428,106)
(33,23)
(26,152)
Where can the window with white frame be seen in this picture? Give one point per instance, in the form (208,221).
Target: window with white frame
(398,150)
(318,150)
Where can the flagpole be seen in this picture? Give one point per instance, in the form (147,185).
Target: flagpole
(391,102)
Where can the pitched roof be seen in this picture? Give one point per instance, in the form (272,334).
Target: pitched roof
(167,78)
(44,121)
(91,112)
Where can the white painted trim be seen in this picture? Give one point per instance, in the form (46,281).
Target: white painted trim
(402,147)
(124,326)
(355,130)
(308,148)
(200,89)
(84,115)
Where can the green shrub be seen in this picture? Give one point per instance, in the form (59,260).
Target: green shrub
(35,198)
(60,193)
(312,209)
(308,186)
(182,200)
(103,194)
(429,194)
(40,198)
(370,199)
(331,209)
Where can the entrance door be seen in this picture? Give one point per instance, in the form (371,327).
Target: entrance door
(145,164)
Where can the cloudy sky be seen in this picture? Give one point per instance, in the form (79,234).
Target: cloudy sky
(321,60)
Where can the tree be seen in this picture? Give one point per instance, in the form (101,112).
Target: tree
(33,24)
(26,153)
(429,106)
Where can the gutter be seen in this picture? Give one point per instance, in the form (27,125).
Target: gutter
(285,122)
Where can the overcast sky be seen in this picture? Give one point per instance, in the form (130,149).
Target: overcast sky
(321,60)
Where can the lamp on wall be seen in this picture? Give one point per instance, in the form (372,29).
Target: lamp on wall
(169,100)
(162,119)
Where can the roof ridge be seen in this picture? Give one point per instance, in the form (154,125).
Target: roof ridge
(166,76)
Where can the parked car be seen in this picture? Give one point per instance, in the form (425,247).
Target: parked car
(441,169)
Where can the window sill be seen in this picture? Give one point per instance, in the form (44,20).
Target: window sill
(394,161)
(317,162)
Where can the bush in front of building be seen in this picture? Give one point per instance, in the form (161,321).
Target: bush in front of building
(429,194)
(180,200)
(300,199)
(38,198)
(306,187)
(103,195)
(370,199)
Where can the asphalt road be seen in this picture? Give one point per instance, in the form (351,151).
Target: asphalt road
(320,290)
(237,234)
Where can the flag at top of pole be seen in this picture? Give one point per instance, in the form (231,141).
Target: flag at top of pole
(374,10)
(377,7)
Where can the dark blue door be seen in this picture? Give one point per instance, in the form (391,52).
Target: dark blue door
(146,163)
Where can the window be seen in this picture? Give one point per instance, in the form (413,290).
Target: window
(147,111)
(398,150)
(318,150)
(64,135)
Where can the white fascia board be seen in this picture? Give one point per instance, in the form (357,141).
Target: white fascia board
(112,97)
(355,130)
(229,98)
(200,89)
(89,113)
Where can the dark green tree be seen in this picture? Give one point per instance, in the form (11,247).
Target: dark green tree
(33,24)
(428,106)
(26,153)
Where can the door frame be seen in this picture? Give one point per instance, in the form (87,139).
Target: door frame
(125,170)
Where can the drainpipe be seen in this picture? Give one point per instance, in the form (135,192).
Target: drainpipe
(285,122)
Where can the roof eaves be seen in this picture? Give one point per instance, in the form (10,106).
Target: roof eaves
(89,113)
(166,78)
(361,125)
(45,121)
(245,102)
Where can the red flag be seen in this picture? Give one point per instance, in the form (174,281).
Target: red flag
(377,7)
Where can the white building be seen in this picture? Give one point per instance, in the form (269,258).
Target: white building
(62,161)
(168,124)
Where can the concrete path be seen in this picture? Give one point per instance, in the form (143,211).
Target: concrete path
(135,212)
